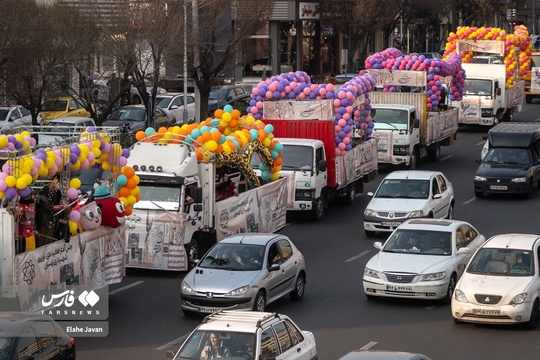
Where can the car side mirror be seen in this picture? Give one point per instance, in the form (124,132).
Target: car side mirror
(11,119)
(377,245)
(71,109)
(416,123)
(437,196)
(498,91)
(370,194)
(463,251)
(274,267)
(322,165)
(174,107)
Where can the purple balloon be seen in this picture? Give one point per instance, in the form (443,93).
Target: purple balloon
(10,193)
(126,153)
(25,192)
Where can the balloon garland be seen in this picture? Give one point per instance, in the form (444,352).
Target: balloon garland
(227,139)
(297,86)
(393,59)
(519,40)
(24,166)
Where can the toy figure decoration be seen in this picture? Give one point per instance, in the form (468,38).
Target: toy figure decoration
(90,216)
(112,209)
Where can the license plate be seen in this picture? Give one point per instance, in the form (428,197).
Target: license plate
(209,310)
(399,288)
(498,187)
(486,312)
(391,223)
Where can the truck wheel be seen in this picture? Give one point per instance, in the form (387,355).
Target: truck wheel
(434,153)
(414,159)
(528,99)
(508,115)
(318,209)
(351,194)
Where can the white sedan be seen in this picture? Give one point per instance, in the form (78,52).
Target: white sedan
(422,259)
(501,284)
(172,105)
(407,194)
(12,117)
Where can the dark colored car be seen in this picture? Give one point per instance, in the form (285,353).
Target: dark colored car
(33,336)
(220,97)
(136,117)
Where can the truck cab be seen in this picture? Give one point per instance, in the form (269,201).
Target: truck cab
(397,131)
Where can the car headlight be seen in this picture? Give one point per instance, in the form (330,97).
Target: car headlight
(460,296)
(369,212)
(518,299)
(371,273)
(416,213)
(186,289)
(433,276)
(519,179)
(237,292)
(479,178)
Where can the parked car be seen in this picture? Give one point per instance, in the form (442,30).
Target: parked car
(61,129)
(383,355)
(501,284)
(244,271)
(136,117)
(135,97)
(62,107)
(248,335)
(172,105)
(220,96)
(33,336)
(400,196)
(422,259)
(12,117)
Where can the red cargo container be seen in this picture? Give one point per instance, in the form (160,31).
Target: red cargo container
(323,130)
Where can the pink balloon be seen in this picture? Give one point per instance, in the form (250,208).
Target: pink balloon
(269,94)
(337,103)
(3,185)
(272,87)
(307,91)
(254,110)
(72,194)
(341,146)
(342,122)
(301,96)
(329,87)
(322,91)
(74,216)
(255,91)
(259,105)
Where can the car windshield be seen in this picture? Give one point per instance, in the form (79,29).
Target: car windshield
(219,94)
(163,102)
(239,257)
(403,189)
(129,114)
(419,242)
(3,114)
(218,344)
(390,119)
(54,105)
(504,262)
(159,193)
(508,156)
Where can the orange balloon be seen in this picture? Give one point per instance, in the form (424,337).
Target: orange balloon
(162,130)
(199,155)
(128,171)
(218,113)
(140,135)
(235,114)
(207,136)
(233,123)
(131,183)
(123,192)
(278,161)
(138,197)
(216,136)
(128,211)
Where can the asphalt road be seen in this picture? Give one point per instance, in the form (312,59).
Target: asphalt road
(146,319)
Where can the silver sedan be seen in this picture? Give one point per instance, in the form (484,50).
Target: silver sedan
(244,271)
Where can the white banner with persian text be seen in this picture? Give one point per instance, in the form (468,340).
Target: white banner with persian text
(260,210)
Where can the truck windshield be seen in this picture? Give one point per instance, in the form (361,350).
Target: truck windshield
(158,197)
(477,87)
(297,157)
(390,119)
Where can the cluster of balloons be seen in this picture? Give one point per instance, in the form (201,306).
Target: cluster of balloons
(94,149)
(393,59)
(347,114)
(225,134)
(127,187)
(519,41)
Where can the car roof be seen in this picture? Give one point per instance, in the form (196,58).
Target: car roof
(173,94)
(251,239)
(238,321)
(512,241)
(382,355)
(432,224)
(11,321)
(138,106)
(412,174)
(70,119)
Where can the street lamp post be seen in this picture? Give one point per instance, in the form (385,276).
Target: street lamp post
(185,75)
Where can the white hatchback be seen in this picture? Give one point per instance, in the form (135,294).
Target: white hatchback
(407,194)
(422,259)
(501,284)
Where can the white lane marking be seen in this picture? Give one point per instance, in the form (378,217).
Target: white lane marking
(369,345)
(469,201)
(446,157)
(357,256)
(431,307)
(125,287)
(481,143)
(171,343)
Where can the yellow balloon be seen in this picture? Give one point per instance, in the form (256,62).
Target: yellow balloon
(75,183)
(11,181)
(131,200)
(21,183)
(123,200)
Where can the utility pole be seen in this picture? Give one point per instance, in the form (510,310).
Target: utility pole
(185,74)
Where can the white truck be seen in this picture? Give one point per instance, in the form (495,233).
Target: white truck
(166,233)
(404,128)
(318,176)
(90,260)
(486,100)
